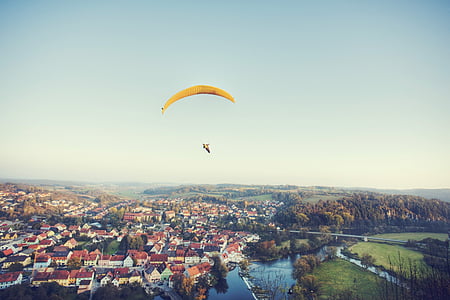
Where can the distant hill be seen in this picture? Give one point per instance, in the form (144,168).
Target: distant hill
(441,194)
(229,190)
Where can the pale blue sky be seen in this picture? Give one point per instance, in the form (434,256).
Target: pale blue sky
(339,93)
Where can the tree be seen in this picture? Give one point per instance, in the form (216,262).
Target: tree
(244,264)
(311,285)
(15,267)
(74,263)
(367,260)
(187,286)
(301,268)
(202,294)
(219,270)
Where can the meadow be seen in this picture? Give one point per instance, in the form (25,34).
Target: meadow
(417,236)
(338,275)
(386,254)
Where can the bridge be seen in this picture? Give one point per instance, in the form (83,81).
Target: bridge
(363,237)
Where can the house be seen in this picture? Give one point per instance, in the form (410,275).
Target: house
(177,269)
(116,261)
(42,261)
(31,240)
(83,275)
(42,236)
(66,234)
(16,259)
(156,249)
(170,214)
(46,243)
(84,286)
(60,249)
(128,261)
(73,276)
(135,276)
(171,256)
(80,253)
(165,271)
(59,276)
(45,227)
(90,260)
(6,253)
(10,279)
(191,257)
(61,258)
(192,272)
(72,243)
(104,261)
(157,259)
(180,253)
(74,228)
(40,277)
(60,226)
(115,281)
(152,274)
(106,279)
(10,236)
(140,257)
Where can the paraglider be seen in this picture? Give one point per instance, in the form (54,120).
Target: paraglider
(206,147)
(197,90)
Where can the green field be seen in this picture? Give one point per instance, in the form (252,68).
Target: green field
(316,198)
(417,236)
(112,247)
(83,244)
(385,252)
(339,275)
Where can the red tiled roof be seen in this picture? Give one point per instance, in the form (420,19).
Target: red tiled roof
(42,258)
(86,274)
(158,257)
(193,271)
(59,275)
(7,252)
(41,276)
(117,258)
(9,277)
(118,271)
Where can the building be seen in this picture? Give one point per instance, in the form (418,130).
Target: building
(16,259)
(10,279)
(42,261)
(152,274)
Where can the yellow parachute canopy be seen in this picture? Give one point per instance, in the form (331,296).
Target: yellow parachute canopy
(196,90)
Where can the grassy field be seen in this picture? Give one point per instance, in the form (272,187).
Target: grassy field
(383,252)
(112,247)
(339,275)
(417,236)
(82,244)
(316,198)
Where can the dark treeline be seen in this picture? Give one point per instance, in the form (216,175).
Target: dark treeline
(366,212)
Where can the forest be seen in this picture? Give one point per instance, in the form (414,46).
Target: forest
(367,213)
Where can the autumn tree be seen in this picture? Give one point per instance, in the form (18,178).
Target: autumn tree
(74,263)
(219,270)
(367,260)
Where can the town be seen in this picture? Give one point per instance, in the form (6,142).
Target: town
(150,247)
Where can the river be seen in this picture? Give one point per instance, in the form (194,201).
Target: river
(277,272)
